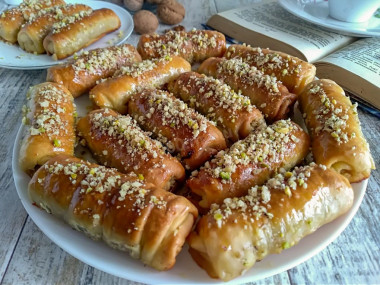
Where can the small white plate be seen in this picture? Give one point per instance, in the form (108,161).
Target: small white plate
(185,271)
(317,12)
(13,57)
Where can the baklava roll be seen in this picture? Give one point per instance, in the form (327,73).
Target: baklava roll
(268,94)
(151,224)
(249,162)
(50,125)
(82,74)
(32,34)
(206,44)
(11,20)
(232,112)
(229,240)
(336,137)
(115,92)
(293,72)
(117,141)
(185,132)
(75,32)
(194,46)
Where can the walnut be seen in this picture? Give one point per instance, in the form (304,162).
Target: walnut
(133,5)
(171,12)
(145,22)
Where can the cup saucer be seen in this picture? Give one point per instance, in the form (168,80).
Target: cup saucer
(317,12)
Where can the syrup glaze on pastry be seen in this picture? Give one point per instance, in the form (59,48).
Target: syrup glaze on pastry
(268,94)
(229,240)
(233,113)
(87,68)
(49,117)
(117,141)
(32,34)
(185,132)
(249,162)
(293,72)
(79,31)
(194,46)
(149,223)
(11,20)
(336,135)
(115,92)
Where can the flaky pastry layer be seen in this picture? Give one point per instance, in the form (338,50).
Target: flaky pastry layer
(337,140)
(149,223)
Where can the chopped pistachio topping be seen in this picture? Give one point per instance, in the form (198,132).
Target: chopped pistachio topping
(248,74)
(218,101)
(225,175)
(164,109)
(57,143)
(103,59)
(267,59)
(124,134)
(49,116)
(331,115)
(67,21)
(256,203)
(94,178)
(262,147)
(179,43)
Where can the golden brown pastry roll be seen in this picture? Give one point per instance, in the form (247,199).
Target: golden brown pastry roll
(249,162)
(49,119)
(194,46)
(151,224)
(11,20)
(114,93)
(185,132)
(232,112)
(293,72)
(82,74)
(31,36)
(336,137)
(75,32)
(268,94)
(229,240)
(117,141)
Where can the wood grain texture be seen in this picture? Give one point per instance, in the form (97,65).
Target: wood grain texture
(27,256)
(13,87)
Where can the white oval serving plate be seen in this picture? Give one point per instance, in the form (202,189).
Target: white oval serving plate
(185,271)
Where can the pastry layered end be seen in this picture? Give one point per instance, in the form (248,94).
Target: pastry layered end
(128,214)
(336,135)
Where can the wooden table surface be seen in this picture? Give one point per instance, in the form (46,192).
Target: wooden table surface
(27,256)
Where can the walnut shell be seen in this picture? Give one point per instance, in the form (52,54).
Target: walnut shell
(145,22)
(171,12)
(133,5)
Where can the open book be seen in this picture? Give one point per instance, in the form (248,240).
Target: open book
(353,63)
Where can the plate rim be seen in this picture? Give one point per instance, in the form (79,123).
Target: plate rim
(342,222)
(127,18)
(298,12)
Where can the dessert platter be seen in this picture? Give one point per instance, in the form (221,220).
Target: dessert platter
(18,58)
(183,161)
(317,12)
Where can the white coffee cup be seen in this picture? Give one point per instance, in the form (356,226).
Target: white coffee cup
(353,11)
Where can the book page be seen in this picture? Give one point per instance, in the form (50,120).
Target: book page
(270,19)
(361,57)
